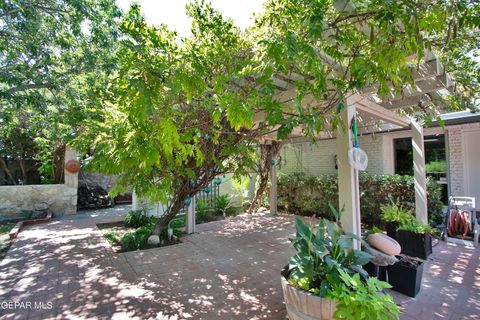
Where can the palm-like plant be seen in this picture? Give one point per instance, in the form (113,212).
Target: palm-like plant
(321,253)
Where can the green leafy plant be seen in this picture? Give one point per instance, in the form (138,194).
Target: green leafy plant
(395,213)
(137,218)
(222,204)
(436,166)
(320,253)
(113,237)
(373,231)
(358,299)
(326,264)
(416,227)
(204,212)
(137,239)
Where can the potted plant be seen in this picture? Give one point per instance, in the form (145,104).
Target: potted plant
(325,280)
(394,215)
(405,276)
(415,239)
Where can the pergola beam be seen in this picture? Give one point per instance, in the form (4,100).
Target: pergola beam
(413,101)
(380,112)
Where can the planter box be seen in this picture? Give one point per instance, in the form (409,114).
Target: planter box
(302,305)
(391,228)
(376,271)
(414,244)
(405,279)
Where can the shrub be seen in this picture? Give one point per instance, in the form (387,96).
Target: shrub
(113,237)
(137,239)
(137,218)
(395,213)
(415,227)
(436,166)
(307,195)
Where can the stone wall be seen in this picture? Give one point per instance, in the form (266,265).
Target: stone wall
(57,198)
(60,199)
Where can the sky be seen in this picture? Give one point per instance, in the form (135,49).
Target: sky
(172,12)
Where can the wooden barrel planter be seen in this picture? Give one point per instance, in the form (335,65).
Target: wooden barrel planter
(302,305)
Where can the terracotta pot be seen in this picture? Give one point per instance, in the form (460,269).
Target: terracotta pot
(302,305)
(72,166)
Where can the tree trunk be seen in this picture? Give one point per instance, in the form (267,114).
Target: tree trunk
(268,153)
(21,162)
(58,164)
(171,212)
(7,171)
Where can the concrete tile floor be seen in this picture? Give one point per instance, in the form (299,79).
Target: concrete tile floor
(228,270)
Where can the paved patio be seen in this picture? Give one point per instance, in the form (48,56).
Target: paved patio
(229,270)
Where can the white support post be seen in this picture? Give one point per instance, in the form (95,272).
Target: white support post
(348,187)
(190,223)
(419,173)
(273,188)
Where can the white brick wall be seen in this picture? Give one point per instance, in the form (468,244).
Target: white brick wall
(319,159)
(456,159)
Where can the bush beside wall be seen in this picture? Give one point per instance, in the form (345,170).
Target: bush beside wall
(301,194)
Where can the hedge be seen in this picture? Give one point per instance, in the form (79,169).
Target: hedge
(308,195)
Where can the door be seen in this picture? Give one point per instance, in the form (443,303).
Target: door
(472,164)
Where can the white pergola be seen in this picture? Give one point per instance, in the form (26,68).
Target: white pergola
(429,82)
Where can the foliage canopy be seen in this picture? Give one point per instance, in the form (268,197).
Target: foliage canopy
(55,59)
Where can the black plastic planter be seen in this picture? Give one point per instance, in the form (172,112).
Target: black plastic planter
(392,229)
(415,244)
(374,270)
(405,278)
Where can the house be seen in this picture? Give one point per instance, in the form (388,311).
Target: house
(452,154)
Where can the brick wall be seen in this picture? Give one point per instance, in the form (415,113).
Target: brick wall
(319,158)
(456,159)
(302,156)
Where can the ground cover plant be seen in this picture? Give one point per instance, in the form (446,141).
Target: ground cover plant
(133,232)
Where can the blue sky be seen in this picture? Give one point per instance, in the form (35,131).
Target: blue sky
(172,12)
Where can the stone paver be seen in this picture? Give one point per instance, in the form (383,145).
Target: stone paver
(228,270)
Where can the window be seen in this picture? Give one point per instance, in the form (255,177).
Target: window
(435,159)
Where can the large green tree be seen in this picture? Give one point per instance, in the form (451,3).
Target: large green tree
(55,56)
(181,110)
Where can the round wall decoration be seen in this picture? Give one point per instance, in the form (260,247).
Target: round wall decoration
(72,166)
